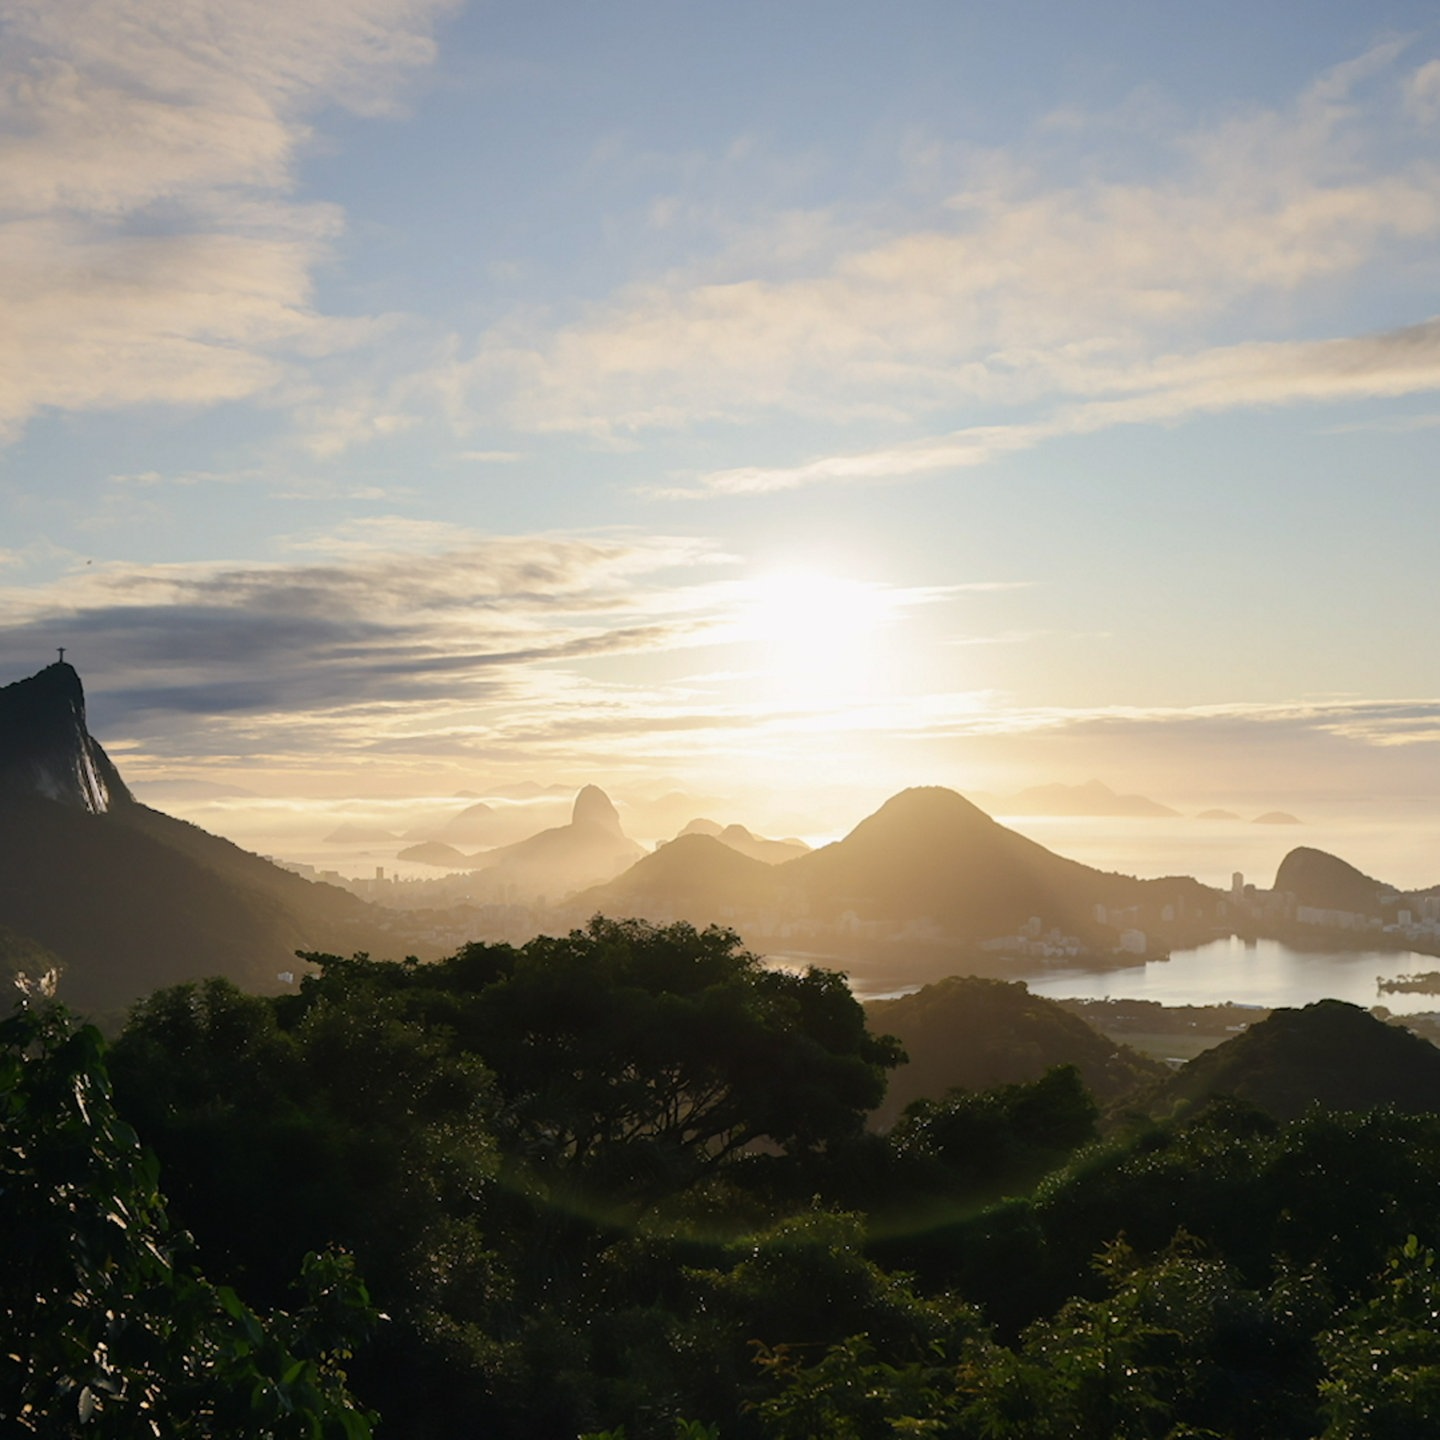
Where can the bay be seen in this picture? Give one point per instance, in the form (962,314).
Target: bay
(1247,972)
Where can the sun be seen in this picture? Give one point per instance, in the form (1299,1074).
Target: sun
(816,630)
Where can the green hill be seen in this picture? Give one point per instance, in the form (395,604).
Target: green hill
(976,1033)
(1329,1054)
(132,899)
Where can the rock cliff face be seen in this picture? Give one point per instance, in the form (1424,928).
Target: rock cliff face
(46,750)
(125,899)
(1317,878)
(594,807)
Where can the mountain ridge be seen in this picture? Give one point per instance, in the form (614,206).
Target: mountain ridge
(46,747)
(126,897)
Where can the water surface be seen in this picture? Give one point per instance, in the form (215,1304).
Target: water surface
(1248,972)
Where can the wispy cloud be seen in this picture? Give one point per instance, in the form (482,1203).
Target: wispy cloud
(405,637)
(386,632)
(1155,295)
(151,248)
(1170,388)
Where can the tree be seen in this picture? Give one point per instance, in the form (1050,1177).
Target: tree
(633,1059)
(676,1049)
(107,1323)
(1383,1360)
(985,1139)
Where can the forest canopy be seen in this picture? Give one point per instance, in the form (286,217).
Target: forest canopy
(619,1181)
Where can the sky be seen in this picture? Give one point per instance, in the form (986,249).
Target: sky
(783,403)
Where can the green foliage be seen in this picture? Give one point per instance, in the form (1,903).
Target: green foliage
(984,1139)
(973,1033)
(1382,1361)
(485,1132)
(1178,1347)
(107,1326)
(595,1177)
(679,1050)
(1330,1054)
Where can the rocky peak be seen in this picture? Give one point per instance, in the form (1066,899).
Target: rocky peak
(594,806)
(46,749)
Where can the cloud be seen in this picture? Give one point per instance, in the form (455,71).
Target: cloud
(404,620)
(1022,289)
(393,645)
(1370,722)
(1422,92)
(150,247)
(1170,388)
(395,638)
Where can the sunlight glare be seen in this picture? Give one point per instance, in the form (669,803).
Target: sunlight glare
(816,629)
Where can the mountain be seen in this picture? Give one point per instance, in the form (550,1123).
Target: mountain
(591,848)
(926,854)
(128,898)
(594,807)
(978,1034)
(694,877)
(757,847)
(701,826)
(1320,879)
(46,749)
(929,852)
(1329,1054)
(1275,817)
(1090,799)
(474,825)
(436,852)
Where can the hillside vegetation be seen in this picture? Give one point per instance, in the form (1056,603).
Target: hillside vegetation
(620,1180)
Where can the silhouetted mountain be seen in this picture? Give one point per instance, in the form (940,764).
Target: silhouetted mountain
(474,825)
(46,749)
(1329,1054)
(130,899)
(930,853)
(436,852)
(1275,817)
(591,848)
(702,826)
(771,852)
(757,847)
(926,854)
(1092,798)
(1317,878)
(352,834)
(594,807)
(695,877)
(977,1034)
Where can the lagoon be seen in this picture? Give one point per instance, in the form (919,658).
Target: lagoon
(1247,972)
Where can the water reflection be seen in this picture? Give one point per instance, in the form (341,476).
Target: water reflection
(1249,972)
